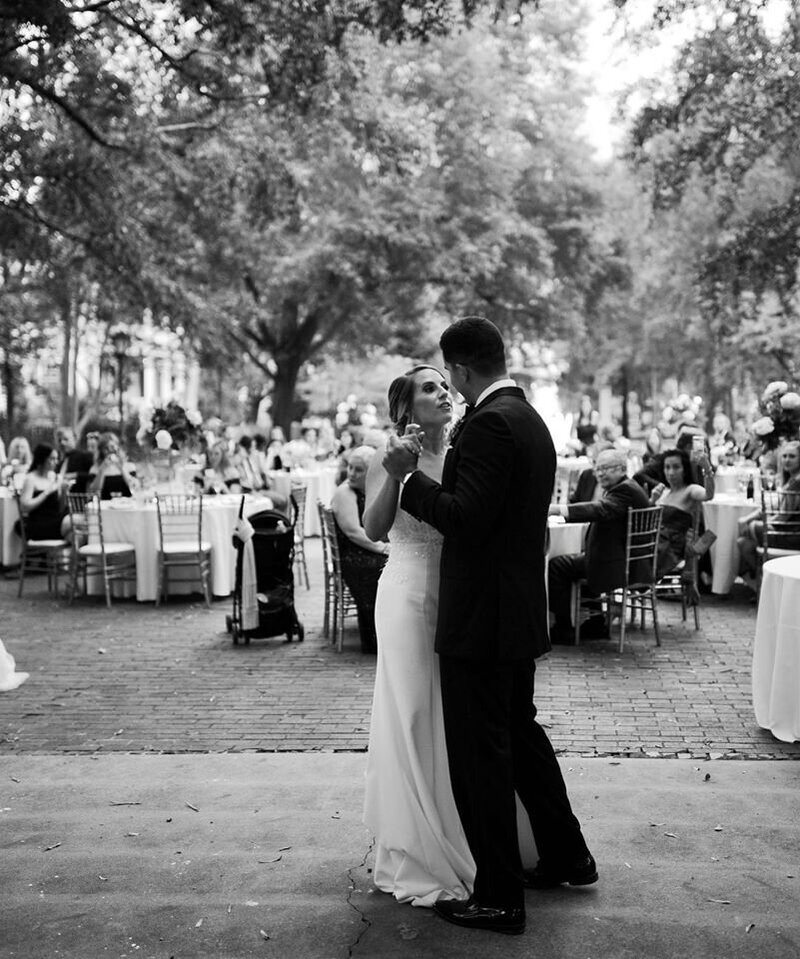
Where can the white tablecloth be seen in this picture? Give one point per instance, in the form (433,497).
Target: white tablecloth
(138,524)
(9,514)
(776,650)
(319,484)
(722,515)
(566,538)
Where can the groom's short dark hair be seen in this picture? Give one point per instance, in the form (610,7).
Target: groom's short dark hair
(475,342)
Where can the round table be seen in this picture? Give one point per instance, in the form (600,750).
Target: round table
(776,650)
(128,521)
(722,515)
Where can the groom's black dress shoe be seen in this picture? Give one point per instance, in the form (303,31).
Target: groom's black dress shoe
(473,915)
(580,873)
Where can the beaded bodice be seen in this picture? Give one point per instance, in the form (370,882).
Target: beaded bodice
(410,537)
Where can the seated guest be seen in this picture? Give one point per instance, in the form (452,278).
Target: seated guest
(362,560)
(751,526)
(91,442)
(346,444)
(277,440)
(652,471)
(602,565)
(251,476)
(111,476)
(587,488)
(220,474)
(18,461)
(74,464)
(40,499)
(260,457)
(680,500)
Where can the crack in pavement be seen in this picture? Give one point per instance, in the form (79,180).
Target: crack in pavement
(366,923)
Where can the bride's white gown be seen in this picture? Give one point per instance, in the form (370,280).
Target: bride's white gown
(421,854)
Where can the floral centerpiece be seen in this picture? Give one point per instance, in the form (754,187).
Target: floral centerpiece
(180,425)
(780,415)
(169,433)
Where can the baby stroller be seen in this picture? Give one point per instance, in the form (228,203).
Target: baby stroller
(263,594)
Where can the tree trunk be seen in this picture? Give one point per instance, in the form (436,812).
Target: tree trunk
(67,407)
(288,368)
(9,378)
(625,387)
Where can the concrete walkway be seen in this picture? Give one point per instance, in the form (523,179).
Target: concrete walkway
(207,856)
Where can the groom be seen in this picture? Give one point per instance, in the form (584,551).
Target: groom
(492,509)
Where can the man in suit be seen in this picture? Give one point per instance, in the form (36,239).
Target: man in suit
(587,488)
(602,565)
(491,507)
(73,462)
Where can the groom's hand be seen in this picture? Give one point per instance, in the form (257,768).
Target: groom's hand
(401,456)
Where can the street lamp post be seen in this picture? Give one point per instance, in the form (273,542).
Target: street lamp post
(120,341)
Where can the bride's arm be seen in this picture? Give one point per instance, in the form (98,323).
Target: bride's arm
(381,502)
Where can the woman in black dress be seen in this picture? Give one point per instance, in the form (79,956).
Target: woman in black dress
(40,499)
(362,560)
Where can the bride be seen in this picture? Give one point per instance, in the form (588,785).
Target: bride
(421,854)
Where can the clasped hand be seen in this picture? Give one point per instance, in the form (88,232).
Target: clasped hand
(402,452)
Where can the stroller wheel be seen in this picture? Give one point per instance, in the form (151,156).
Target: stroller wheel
(301,633)
(229,624)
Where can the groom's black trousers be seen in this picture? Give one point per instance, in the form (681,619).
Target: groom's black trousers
(495,747)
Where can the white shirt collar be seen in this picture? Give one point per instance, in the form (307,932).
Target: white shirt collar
(493,387)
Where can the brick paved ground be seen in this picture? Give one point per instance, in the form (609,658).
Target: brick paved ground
(141,679)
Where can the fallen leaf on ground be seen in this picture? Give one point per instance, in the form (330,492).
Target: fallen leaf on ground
(749,926)
(131,833)
(198,923)
(722,902)
(132,802)
(192,807)
(14,779)
(103,878)
(283,848)
(706,777)
(276,859)
(658,824)
(671,835)
(264,935)
(54,846)
(717,828)
(101,650)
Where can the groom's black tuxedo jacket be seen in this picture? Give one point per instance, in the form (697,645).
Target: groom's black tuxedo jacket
(491,507)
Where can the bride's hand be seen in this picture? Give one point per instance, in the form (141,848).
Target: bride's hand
(414,434)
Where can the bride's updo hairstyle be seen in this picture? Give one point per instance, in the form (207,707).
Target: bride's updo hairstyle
(401,397)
